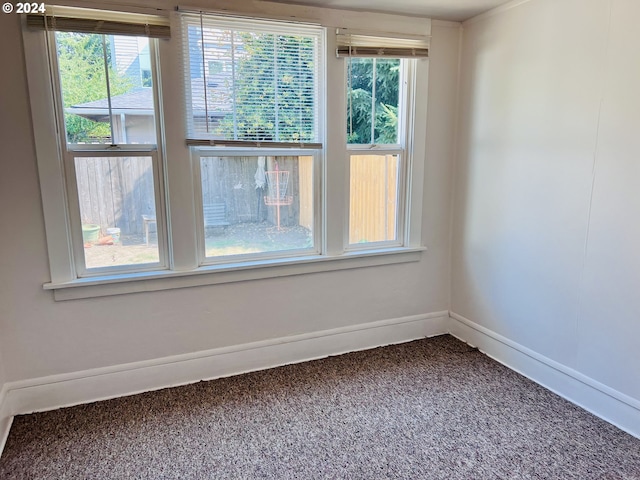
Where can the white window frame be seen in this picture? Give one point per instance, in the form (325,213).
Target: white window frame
(74,209)
(407,109)
(69,152)
(199,152)
(178,183)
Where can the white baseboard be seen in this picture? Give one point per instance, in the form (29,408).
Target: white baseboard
(604,402)
(6,417)
(57,391)
(49,393)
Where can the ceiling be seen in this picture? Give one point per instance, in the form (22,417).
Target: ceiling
(454,10)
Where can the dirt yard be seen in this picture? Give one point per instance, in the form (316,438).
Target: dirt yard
(237,239)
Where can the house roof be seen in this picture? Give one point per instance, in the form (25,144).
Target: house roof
(140,102)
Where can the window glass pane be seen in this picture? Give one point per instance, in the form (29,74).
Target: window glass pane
(117,210)
(373,88)
(373,205)
(359,100)
(89,115)
(387,95)
(252,82)
(257,204)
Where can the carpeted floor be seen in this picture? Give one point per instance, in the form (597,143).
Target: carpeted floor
(432,409)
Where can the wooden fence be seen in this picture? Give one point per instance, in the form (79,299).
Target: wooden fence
(232,181)
(373,198)
(116,192)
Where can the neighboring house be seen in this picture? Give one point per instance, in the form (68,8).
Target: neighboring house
(132,115)
(131,58)
(133,111)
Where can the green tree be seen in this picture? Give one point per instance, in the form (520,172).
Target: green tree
(274,89)
(83,79)
(360,100)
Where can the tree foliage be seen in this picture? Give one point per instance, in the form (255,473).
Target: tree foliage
(274,89)
(274,100)
(360,100)
(83,79)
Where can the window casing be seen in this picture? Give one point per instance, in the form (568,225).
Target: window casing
(248,84)
(377,116)
(181,213)
(112,167)
(271,207)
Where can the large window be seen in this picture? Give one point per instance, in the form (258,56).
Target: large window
(254,89)
(105,94)
(252,151)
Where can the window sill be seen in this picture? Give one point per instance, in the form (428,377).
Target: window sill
(228,273)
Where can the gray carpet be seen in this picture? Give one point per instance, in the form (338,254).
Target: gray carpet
(433,409)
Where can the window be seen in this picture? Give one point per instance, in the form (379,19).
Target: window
(256,205)
(260,93)
(254,153)
(262,81)
(380,115)
(376,109)
(109,118)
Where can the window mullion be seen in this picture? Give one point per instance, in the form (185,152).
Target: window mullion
(336,178)
(373,104)
(106,76)
(159,166)
(178,167)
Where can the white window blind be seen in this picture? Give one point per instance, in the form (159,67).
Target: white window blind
(354,44)
(251,82)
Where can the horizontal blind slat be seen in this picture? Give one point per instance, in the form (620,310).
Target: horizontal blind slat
(254,80)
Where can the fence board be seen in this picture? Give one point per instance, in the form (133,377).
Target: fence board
(115,192)
(373,198)
(231,180)
(306,191)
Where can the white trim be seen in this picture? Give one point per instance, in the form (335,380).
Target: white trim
(118,284)
(57,391)
(416,152)
(64,390)
(48,154)
(178,207)
(6,417)
(603,401)
(494,11)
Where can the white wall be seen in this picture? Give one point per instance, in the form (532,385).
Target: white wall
(39,336)
(547,206)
